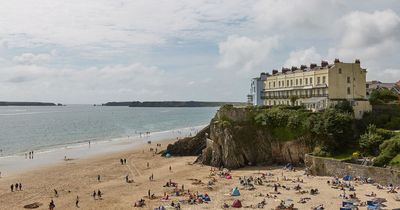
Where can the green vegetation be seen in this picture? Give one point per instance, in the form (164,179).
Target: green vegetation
(382,96)
(333,133)
(390,149)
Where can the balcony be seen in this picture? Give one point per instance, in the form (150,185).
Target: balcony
(300,96)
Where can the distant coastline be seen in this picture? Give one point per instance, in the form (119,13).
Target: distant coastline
(9,103)
(171,103)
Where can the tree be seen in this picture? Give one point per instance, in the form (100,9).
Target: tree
(344,106)
(293,99)
(370,141)
(382,96)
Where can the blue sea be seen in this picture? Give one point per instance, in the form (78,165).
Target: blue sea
(25,129)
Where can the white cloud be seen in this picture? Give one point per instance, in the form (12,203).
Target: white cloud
(30,58)
(245,55)
(299,57)
(367,35)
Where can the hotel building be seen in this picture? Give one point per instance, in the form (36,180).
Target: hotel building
(318,87)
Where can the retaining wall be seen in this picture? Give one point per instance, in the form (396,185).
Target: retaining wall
(321,166)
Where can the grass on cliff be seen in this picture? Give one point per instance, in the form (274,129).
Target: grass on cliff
(395,162)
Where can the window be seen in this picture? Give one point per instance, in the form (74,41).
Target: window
(306,81)
(269,84)
(301,82)
(274,84)
(318,80)
(291,82)
(287,83)
(323,80)
(348,91)
(297,82)
(310,80)
(340,70)
(279,83)
(348,80)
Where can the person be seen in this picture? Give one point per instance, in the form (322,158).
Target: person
(170,168)
(55,193)
(52,205)
(148,193)
(89,143)
(16,186)
(127,178)
(12,188)
(98,178)
(148,164)
(20,187)
(122,161)
(125,161)
(275,188)
(94,195)
(77,202)
(99,194)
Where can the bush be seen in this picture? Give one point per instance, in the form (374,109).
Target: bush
(370,141)
(389,150)
(344,106)
(382,96)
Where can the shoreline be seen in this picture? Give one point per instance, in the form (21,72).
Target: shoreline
(17,164)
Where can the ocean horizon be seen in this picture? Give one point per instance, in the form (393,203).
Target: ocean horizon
(30,128)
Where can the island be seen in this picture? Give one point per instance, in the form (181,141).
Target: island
(172,104)
(9,103)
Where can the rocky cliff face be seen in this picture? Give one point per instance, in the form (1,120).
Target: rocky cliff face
(233,140)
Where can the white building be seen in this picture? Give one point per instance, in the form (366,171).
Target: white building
(256,88)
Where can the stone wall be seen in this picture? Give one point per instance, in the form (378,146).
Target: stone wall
(329,167)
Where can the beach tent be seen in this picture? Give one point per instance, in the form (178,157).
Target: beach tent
(235,192)
(237,204)
(347,178)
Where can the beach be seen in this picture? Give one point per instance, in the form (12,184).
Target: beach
(79,177)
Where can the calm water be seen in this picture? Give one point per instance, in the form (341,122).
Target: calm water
(31,128)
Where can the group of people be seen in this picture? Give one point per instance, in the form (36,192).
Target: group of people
(16,187)
(29,155)
(123,161)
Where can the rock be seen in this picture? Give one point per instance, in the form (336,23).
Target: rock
(190,146)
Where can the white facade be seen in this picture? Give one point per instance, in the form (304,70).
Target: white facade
(256,88)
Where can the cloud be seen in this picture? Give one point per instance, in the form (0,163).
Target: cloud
(30,58)
(245,55)
(368,35)
(299,57)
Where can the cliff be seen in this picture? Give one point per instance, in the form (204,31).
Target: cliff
(234,140)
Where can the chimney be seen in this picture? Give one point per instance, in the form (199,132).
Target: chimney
(358,61)
(313,65)
(337,60)
(324,63)
(302,67)
(274,72)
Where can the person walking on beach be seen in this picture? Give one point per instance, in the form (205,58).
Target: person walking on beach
(99,194)
(125,161)
(12,188)
(170,168)
(55,193)
(126,178)
(94,194)
(148,165)
(16,186)
(148,194)
(98,178)
(122,161)
(52,205)
(77,202)
(20,187)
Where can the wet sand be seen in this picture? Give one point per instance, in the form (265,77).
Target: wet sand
(78,177)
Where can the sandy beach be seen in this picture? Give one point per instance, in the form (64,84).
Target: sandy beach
(78,177)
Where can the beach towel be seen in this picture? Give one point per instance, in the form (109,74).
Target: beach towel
(237,204)
(235,192)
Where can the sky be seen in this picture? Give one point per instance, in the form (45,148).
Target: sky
(95,51)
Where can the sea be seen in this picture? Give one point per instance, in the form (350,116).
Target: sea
(24,129)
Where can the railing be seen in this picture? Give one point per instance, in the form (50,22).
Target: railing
(300,96)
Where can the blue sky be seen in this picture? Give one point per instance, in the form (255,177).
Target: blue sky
(95,51)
